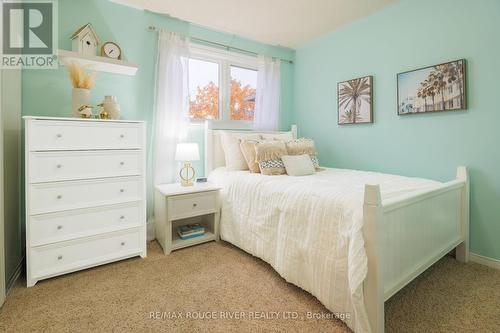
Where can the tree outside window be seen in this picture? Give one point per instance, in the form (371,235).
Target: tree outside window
(205,92)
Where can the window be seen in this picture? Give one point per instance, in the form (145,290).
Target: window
(203,89)
(222,85)
(243,90)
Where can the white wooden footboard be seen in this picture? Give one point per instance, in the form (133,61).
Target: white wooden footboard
(405,236)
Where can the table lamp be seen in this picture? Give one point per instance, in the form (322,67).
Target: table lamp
(187,152)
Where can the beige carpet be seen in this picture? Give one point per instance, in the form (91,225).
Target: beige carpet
(450,297)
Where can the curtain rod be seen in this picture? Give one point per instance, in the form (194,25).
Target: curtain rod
(220,45)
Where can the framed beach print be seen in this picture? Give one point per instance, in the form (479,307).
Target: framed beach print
(354,101)
(432,89)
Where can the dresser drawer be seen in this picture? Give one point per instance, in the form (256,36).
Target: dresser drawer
(60,196)
(187,205)
(73,165)
(83,135)
(68,256)
(63,226)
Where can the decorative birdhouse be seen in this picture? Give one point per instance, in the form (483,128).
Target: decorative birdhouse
(85,41)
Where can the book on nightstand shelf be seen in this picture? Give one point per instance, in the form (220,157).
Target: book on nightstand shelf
(191,231)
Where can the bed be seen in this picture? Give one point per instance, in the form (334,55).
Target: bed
(350,238)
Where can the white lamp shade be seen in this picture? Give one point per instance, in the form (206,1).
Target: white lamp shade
(187,152)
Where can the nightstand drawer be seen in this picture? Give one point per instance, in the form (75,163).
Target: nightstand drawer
(188,205)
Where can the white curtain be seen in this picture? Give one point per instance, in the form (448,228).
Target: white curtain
(267,103)
(172,104)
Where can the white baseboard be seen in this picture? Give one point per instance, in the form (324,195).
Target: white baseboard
(486,261)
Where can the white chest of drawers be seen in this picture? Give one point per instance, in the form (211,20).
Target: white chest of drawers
(85,194)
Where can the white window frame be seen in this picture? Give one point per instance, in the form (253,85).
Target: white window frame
(225,59)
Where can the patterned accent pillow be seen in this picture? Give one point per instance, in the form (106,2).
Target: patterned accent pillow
(315,161)
(303,146)
(268,155)
(272,164)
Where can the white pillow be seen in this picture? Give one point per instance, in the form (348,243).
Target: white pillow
(232,151)
(298,165)
(287,136)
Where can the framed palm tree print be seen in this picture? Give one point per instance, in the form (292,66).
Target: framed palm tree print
(431,89)
(354,101)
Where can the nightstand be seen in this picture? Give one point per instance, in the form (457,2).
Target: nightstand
(176,205)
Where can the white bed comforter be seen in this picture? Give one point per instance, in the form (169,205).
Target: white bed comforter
(308,228)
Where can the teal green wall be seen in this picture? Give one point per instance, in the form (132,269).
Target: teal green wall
(48,92)
(404,36)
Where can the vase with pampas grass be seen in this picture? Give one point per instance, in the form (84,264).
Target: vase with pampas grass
(82,82)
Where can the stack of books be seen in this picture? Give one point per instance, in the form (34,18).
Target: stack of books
(191,231)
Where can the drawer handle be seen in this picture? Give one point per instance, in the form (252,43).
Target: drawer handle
(59,197)
(59,135)
(123,243)
(59,166)
(122,190)
(194,205)
(59,258)
(122,217)
(59,227)
(122,163)
(122,136)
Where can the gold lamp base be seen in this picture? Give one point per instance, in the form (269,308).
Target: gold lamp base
(187,180)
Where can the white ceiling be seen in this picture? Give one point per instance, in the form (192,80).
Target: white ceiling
(287,23)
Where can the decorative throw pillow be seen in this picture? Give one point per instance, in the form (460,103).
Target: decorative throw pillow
(303,146)
(286,136)
(232,152)
(268,155)
(248,149)
(298,165)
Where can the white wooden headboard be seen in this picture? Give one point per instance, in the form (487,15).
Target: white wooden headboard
(214,155)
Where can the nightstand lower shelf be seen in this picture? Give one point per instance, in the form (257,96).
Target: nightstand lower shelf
(178,243)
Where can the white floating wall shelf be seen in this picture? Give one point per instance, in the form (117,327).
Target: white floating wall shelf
(98,64)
